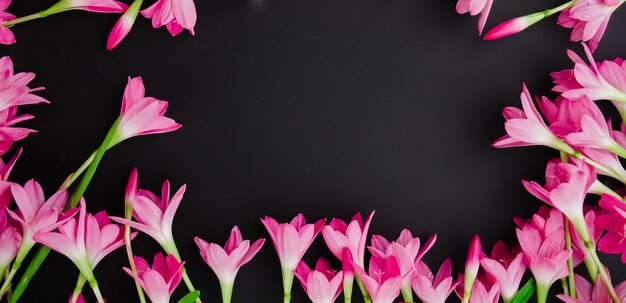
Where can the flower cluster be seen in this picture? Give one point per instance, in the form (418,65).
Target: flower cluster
(176,15)
(588,19)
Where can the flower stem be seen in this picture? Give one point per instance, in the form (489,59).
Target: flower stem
(602,271)
(559,8)
(366,295)
(227,291)
(599,166)
(32,268)
(96,290)
(73,176)
(570,262)
(131,260)
(7,281)
(80,283)
(188,281)
(542,293)
(34,16)
(287,285)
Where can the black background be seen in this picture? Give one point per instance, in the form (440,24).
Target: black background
(325,107)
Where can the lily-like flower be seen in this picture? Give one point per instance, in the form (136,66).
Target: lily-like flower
(526,128)
(587,292)
(480,294)
(472,265)
(155,216)
(433,288)
(225,262)
(406,250)
(10,240)
(508,276)
(383,282)
(6,35)
(348,239)
(475,7)
(588,19)
(160,280)
(566,188)
(123,25)
(614,222)
(85,241)
(513,26)
(291,241)
(322,284)
(141,115)
(36,214)
(176,15)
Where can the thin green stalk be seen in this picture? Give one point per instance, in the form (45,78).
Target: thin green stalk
(24,19)
(9,291)
(96,290)
(80,283)
(73,176)
(602,272)
(287,285)
(131,260)
(364,292)
(32,268)
(542,293)
(560,8)
(570,262)
(564,286)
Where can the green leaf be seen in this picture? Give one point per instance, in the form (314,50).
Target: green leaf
(190,297)
(524,294)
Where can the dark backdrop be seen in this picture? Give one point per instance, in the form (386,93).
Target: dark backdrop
(313,106)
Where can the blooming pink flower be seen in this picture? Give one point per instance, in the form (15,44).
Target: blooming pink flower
(36,214)
(322,284)
(123,25)
(6,35)
(525,128)
(475,7)
(155,215)
(480,294)
(160,281)
(384,281)
(291,241)
(5,187)
(225,262)
(176,15)
(513,26)
(614,222)
(10,240)
(85,241)
(588,19)
(141,115)
(347,243)
(566,188)
(430,288)
(586,292)
(406,250)
(508,276)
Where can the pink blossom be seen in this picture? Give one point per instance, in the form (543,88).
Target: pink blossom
(614,222)
(291,241)
(566,188)
(475,7)
(176,15)
(5,187)
(141,115)
(588,19)
(406,250)
(85,241)
(6,35)
(160,280)
(384,280)
(10,240)
(508,276)
(36,214)
(155,216)
(225,262)
(322,284)
(526,127)
(480,294)
(472,265)
(587,292)
(123,25)
(513,26)
(433,288)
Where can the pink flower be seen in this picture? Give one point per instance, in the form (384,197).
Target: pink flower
(384,281)
(5,187)
(6,35)
(225,262)
(291,241)
(430,288)
(475,7)
(472,264)
(155,215)
(85,241)
(10,240)
(526,128)
(566,188)
(98,6)
(406,250)
(160,281)
(588,19)
(614,222)
(176,15)
(36,214)
(349,240)
(141,115)
(480,294)
(508,276)
(586,292)
(513,26)
(123,25)
(322,284)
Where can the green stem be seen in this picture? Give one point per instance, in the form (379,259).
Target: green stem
(80,283)
(131,260)
(91,170)
(188,282)
(227,291)
(24,19)
(32,268)
(602,271)
(559,8)
(407,294)
(287,285)
(73,176)
(570,262)
(542,293)
(96,290)
(599,166)
(564,286)
(591,268)
(9,292)
(7,281)
(366,295)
